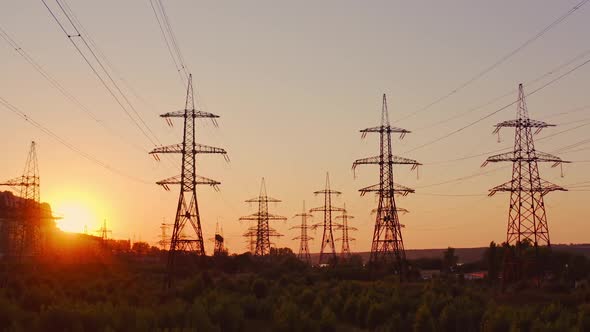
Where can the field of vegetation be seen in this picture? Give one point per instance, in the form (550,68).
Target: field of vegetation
(125,292)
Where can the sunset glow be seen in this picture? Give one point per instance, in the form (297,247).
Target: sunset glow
(75,215)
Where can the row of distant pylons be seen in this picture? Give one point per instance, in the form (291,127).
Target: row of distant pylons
(527,216)
(258,236)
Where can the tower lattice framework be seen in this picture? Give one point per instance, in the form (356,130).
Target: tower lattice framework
(187,211)
(388,244)
(303,238)
(262,218)
(24,231)
(527,218)
(327,249)
(345,252)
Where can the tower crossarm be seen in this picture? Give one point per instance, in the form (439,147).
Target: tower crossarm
(522,123)
(323,209)
(194,113)
(189,113)
(328,192)
(397,209)
(384,129)
(397,160)
(397,189)
(258,216)
(544,188)
(175,148)
(178,180)
(513,156)
(263,199)
(309,215)
(21,181)
(199,148)
(305,238)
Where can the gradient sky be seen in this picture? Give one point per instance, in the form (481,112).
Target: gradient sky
(293,83)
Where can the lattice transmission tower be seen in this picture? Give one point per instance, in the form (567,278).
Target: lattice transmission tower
(250,236)
(345,252)
(23,232)
(187,211)
(327,249)
(303,238)
(262,229)
(388,244)
(164,241)
(527,218)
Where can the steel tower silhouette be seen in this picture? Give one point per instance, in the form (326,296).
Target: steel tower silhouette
(250,236)
(388,244)
(303,237)
(103,232)
(164,240)
(187,210)
(24,232)
(345,238)
(262,229)
(328,234)
(527,218)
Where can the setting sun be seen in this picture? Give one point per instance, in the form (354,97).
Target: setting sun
(74,216)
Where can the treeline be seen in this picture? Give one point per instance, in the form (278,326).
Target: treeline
(279,293)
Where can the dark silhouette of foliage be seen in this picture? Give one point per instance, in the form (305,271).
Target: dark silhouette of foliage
(124,292)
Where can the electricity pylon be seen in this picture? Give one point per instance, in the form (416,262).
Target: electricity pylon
(345,238)
(187,210)
(23,233)
(250,236)
(262,229)
(328,257)
(388,244)
(164,241)
(303,237)
(103,232)
(527,218)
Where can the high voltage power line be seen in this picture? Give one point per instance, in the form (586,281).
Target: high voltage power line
(498,110)
(170,39)
(64,142)
(477,174)
(513,91)
(29,59)
(499,61)
(91,56)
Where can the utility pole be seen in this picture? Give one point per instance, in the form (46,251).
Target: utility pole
(187,210)
(303,237)
(527,218)
(23,233)
(388,244)
(345,251)
(262,229)
(327,250)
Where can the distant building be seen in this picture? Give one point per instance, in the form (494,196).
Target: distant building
(479,275)
(13,228)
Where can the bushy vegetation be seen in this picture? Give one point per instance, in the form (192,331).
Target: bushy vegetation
(280,293)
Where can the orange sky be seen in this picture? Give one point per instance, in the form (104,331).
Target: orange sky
(293,84)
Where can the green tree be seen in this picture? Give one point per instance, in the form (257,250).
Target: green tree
(492,257)
(424,322)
